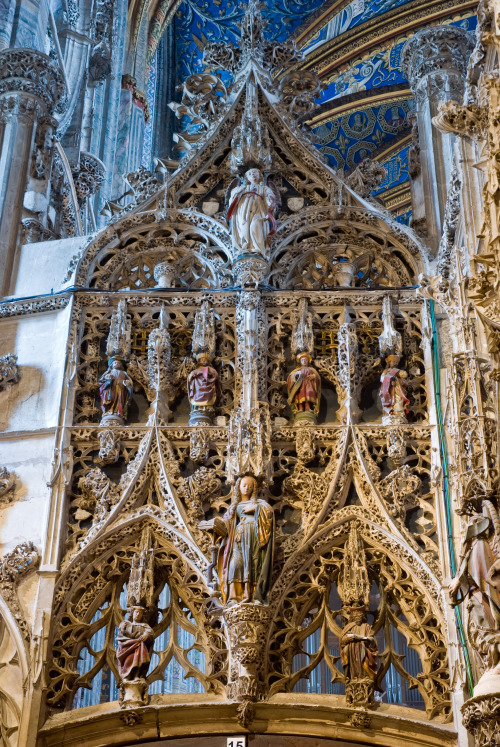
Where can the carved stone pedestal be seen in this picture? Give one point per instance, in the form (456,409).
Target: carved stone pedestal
(134,693)
(110,419)
(250,270)
(201,416)
(481,717)
(359,692)
(246,626)
(305,417)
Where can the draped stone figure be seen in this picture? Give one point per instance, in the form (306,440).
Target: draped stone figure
(358,649)
(251,212)
(393,391)
(478,575)
(203,389)
(304,390)
(115,390)
(135,638)
(246,549)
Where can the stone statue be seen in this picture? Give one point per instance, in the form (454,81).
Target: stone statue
(245,555)
(115,390)
(358,652)
(393,392)
(304,390)
(203,389)
(135,638)
(251,211)
(478,575)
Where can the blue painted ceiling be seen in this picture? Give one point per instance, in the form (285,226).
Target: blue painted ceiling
(364,109)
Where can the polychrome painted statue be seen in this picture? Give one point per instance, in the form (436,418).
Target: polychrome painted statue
(304,390)
(246,549)
(115,390)
(203,389)
(251,211)
(358,652)
(478,575)
(394,391)
(135,638)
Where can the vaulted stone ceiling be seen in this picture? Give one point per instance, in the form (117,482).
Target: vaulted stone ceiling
(366,105)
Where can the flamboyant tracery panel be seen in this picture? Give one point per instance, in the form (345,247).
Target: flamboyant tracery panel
(252,500)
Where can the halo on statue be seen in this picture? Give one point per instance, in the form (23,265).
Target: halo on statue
(299,357)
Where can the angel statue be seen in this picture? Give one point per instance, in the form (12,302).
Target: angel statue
(246,537)
(115,390)
(251,212)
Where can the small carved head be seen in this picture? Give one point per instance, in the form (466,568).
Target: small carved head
(304,359)
(136,613)
(116,362)
(253,176)
(393,360)
(246,487)
(204,359)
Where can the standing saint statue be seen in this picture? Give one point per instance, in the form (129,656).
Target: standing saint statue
(203,389)
(245,555)
(115,390)
(358,652)
(304,390)
(478,575)
(393,392)
(251,212)
(134,643)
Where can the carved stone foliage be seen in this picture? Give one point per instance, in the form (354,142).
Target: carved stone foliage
(436,50)
(31,72)
(88,177)
(14,565)
(9,370)
(7,485)
(481,717)
(11,692)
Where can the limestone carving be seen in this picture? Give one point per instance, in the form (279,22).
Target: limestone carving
(9,370)
(7,485)
(251,212)
(14,565)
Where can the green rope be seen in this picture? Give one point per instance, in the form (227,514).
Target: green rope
(446,488)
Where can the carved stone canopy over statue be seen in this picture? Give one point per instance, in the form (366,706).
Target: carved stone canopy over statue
(251,211)
(203,389)
(304,390)
(115,390)
(245,555)
(393,392)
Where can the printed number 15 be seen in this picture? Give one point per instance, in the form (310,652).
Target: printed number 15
(236,742)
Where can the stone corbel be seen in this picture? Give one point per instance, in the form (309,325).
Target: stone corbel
(14,566)
(9,370)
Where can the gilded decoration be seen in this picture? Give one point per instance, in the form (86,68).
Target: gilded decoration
(250,456)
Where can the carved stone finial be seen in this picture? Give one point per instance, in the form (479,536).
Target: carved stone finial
(302,330)
(203,340)
(140,586)
(120,333)
(390,341)
(354,584)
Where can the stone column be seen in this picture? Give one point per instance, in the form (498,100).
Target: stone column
(30,88)
(435,61)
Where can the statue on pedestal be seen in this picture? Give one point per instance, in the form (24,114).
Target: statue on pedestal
(134,643)
(358,652)
(251,212)
(304,390)
(245,555)
(393,392)
(203,389)
(115,391)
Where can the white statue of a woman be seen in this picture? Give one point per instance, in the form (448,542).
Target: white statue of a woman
(251,211)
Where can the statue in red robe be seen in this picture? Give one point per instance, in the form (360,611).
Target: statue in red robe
(203,389)
(135,638)
(358,653)
(304,390)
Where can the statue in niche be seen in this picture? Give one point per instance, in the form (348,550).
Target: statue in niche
(358,652)
(304,391)
(245,555)
(135,639)
(115,391)
(251,212)
(203,390)
(393,392)
(478,576)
